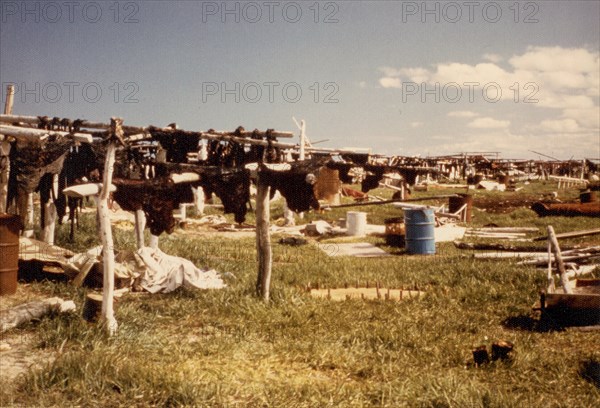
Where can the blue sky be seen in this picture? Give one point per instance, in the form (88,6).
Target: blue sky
(486,76)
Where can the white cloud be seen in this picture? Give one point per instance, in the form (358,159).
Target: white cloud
(390,71)
(462,114)
(388,82)
(417,75)
(488,123)
(558,77)
(362,84)
(495,58)
(559,126)
(549,59)
(563,101)
(588,118)
(415,125)
(561,84)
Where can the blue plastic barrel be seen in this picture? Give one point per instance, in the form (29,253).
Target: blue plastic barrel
(420,233)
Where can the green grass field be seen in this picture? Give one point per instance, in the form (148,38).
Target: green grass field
(226,348)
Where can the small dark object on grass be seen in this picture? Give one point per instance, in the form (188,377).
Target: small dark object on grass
(501,350)
(480,355)
(590,370)
(293,241)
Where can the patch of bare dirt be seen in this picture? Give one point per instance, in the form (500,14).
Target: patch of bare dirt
(503,205)
(18,351)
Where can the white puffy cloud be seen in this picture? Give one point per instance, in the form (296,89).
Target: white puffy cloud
(588,118)
(495,58)
(388,82)
(551,78)
(550,59)
(559,125)
(462,114)
(555,71)
(488,123)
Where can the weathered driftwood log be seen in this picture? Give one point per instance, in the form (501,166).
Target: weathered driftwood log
(18,315)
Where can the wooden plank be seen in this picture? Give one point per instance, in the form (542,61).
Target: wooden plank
(564,280)
(371,293)
(507,229)
(573,234)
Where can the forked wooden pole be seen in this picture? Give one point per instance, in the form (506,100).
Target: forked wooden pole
(115,135)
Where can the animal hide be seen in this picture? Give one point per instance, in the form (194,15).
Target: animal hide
(296,186)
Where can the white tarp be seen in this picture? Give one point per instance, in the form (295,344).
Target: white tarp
(165,273)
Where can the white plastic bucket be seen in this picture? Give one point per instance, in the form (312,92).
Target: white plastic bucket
(356,223)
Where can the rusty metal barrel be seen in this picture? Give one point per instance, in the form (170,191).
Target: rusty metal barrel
(10,225)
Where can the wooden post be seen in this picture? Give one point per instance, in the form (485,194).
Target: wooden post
(22,206)
(4,173)
(4,152)
(263,240)
(116,132)
(564,279)
(302,139)
(140,224)
(288,215)
(10,97)
(199,199)
(50,214)
(30,216)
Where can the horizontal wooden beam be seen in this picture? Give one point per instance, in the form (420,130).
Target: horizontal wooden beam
(85,190)
(31,134)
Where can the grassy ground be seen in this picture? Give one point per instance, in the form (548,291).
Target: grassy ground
(226,348)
